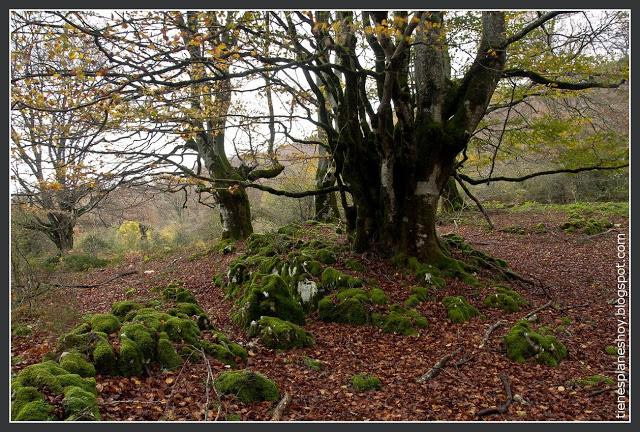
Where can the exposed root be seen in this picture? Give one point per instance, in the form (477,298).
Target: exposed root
(490,330)
(437,367)
(505,406)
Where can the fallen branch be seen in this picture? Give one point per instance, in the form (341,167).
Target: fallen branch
(475,200)
(118,276)
(490,330)
(505,406)
(437,367)
(208,387)
(533,312)
(281,407)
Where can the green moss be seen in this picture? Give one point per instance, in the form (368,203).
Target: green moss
(75,380)
(325,256)
(21,397)
(37,410)
(76,363)
(247,386)
(166,353)
(313,267)
(593,381)
(83,343)
(418,295)
(458,309)
(365,382)
(150,318)
(279,334)
(523,343)
(80,405)
(589,226)
(377,296)
(21,330)
(505,299)
(43,375)
(348,310)
(333,279)
(107,323)
(514,229)
(181,329)
(311,363)
(143,337)
(270,296)
(104,358)
(178,294)
(354,265)
(122,308)
(403,321)
(190,309)
(130,359)
(611,350)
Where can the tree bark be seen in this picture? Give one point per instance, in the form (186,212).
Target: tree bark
(325,205)
(60,231)
(235,213)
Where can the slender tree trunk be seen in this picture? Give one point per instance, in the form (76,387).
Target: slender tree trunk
(451,198)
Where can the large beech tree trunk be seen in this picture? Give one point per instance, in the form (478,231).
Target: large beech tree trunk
(235,213)
(60,231)
(325,205)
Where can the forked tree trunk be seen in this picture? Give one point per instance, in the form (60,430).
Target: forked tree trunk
(325,205)
(60,231)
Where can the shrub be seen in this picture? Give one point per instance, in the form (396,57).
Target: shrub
(79,263)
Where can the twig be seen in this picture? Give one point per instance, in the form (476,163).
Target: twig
(563,308)
(437,367)
(281,407)
(210,386)
(475,200)
(505,406)
(118,276)
(533,312)
(587,238)
(490,330)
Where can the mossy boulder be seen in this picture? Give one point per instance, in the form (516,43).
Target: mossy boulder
(178,294)
(506,299)
(365,382)
(523,343)
(354,265)
(418,295)
(350,306)
(80,404)
(150,318)
(458,309)
(76,363)
(130,358)
(166,353)
(279,334)
(269,295)
(104,358)
(106,323)
(23,396)
(182,329)
(403,321)
(143,337)
(37,410)
(377,296)
(247,386)
(325,256)
(122,308)
(334,279)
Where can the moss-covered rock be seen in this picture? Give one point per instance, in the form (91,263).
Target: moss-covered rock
(403,321)
(505,299)
(348,310)
(611,350)
(104,358)
(269,295)
(247,386)
(143,337)
(365,382)
(377,296)
(354,265)
(311,363)
(37,410)
(181,329)
(83,342)
(523,343)
(458,309)
(130,358)
(76,363)
(80,404)
(122,308)
(106,323)
(325,256)
(313,267)
(276,333)
(178,294)
(334,279)
(151,318)
(21,397)
(417,296)
(166,353)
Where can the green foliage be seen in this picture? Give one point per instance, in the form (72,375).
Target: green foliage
(247,386)
(365,382)
(377,296)
(95,243)
(278,334)
(143,338)
(19,329)
(505,299)
(611,350)
(458,309)
(523,343)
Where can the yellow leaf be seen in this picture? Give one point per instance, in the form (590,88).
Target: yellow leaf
(169,380)
(136,381)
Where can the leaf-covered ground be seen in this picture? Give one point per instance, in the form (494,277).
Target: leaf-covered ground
(578,271)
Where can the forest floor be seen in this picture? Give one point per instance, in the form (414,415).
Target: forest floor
(577,270)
